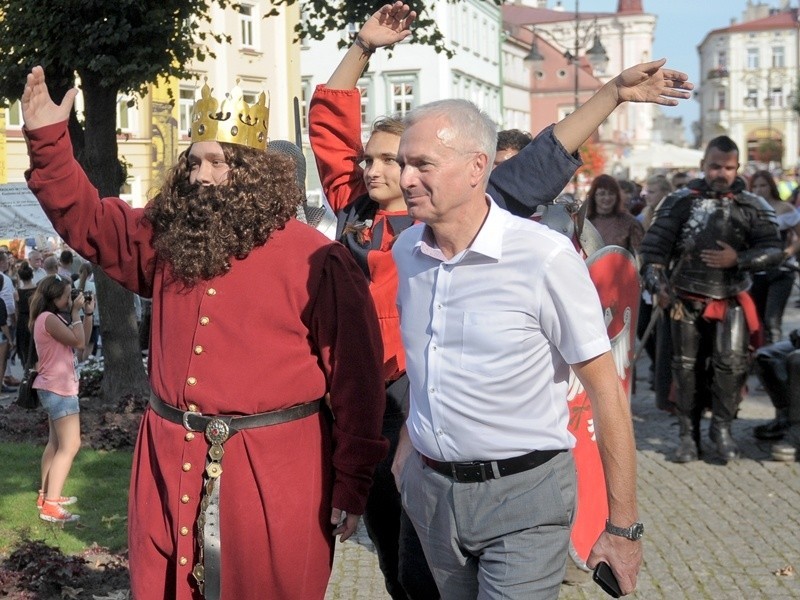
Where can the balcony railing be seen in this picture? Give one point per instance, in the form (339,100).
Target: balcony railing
(718,73)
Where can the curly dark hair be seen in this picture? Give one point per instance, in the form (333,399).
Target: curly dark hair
(198,229)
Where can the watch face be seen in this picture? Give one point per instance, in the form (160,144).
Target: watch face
(637,530)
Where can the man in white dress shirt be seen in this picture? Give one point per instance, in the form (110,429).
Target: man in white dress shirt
(494,311)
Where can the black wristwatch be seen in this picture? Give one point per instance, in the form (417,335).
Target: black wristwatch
(634,532)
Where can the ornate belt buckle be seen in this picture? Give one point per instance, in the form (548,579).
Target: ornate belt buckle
(186,415)
(217,431)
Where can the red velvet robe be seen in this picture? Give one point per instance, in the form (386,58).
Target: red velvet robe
(287,324)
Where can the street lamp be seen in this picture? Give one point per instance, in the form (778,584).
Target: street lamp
(770,147)
(596,55)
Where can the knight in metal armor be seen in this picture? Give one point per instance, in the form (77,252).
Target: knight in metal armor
(697,257)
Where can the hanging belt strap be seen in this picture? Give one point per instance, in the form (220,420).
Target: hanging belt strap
(217,430)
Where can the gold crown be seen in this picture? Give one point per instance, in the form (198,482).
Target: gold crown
(236,121)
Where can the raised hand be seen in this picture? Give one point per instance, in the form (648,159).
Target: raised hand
(648,82)
(388,25)
(38,108)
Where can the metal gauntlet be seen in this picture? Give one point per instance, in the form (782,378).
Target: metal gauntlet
(654,278)
(758,259)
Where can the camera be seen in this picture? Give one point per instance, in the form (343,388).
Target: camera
(87,296)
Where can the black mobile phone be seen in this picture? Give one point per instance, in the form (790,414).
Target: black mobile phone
(604,577)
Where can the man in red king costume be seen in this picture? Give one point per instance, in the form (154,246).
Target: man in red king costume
(241,477)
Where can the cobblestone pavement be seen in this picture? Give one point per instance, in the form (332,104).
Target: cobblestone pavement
(712,530)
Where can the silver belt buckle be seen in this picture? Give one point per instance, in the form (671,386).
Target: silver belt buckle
(186,414)
(217,431)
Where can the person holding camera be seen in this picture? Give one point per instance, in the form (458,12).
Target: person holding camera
(86,285)
(778,368)
(57,384)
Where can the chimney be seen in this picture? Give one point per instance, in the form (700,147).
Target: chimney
(630,7)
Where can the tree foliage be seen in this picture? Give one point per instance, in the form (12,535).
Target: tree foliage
(122,46)
(113,47)
(324,16)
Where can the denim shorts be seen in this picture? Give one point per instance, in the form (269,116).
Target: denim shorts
(58,406)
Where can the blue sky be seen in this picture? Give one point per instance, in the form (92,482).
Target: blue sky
(681,26)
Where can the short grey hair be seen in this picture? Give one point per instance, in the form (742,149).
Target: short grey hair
(472,128)
(660,183)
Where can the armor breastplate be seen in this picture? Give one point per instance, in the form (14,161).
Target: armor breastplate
(711,219)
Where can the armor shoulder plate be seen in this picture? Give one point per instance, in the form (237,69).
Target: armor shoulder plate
(659,241)
(762,208)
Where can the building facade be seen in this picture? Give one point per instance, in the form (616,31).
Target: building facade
(261,56)
(565,78)
(411,74)
(749,82)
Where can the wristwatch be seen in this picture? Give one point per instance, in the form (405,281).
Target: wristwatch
(634,532)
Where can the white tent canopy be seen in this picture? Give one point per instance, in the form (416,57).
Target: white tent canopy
(20,214)
(661,156)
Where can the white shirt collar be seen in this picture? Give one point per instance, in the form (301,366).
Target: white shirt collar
(488,242)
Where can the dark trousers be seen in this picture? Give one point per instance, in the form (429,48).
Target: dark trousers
(659,348)
(400,554)
(663,370)
(709,359)
(779,370)
(770,292)
(645,314)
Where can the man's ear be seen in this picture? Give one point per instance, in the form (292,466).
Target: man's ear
(478,169)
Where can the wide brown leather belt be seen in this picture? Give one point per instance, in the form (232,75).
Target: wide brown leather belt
(217,430)
(477,471)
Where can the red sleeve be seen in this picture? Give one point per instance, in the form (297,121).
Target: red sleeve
(106,232)
(334,129)
(345,329)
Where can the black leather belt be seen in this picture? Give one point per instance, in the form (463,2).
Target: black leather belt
(195,421)
(477,471)
(217,430)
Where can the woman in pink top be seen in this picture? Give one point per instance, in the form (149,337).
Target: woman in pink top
(57,384)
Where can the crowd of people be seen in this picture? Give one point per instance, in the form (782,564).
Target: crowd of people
(718,264)
(423,360)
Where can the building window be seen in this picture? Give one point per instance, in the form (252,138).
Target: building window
(305,96)
(131,191)
(751,99)
(722,59)
(776,97)
(126,113)
(247,25)
(250,97)
(364,90)
(752,58)
(721,100)
(778,57)
(185,104)
(14,116)
(402,94)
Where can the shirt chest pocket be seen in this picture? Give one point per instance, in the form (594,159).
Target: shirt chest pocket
(490,340)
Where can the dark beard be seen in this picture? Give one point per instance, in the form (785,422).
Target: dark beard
(206,226)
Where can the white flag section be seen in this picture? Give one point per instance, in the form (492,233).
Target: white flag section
(20,214)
